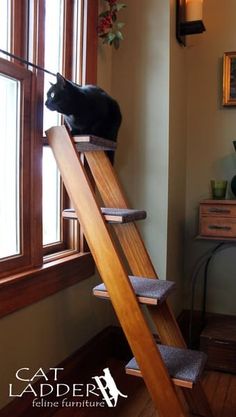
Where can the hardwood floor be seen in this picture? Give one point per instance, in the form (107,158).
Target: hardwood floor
(220,388)
(110,349)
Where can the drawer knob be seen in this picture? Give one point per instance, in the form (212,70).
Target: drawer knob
(221,342)
(219,210)
(218,227)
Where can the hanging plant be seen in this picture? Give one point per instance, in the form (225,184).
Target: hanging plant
(109,28)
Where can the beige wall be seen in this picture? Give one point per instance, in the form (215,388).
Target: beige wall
(149,81)
(177,164)
(210,131)
(44,334)
(140,82)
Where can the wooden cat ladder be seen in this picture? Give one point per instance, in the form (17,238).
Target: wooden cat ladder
(163,367)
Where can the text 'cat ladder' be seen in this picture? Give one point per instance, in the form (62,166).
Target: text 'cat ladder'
(130,283)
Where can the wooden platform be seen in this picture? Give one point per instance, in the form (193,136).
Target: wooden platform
(148,291)
(185,366)
(112,215)
(93,143)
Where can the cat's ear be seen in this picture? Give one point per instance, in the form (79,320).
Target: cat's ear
(61,80)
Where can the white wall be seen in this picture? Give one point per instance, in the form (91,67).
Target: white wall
(210,131)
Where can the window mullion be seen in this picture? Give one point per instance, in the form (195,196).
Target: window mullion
(19,28)
(36,55)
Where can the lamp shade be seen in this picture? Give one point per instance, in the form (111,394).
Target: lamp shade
(193,10)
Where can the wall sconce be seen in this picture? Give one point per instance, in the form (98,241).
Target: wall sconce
(188,19)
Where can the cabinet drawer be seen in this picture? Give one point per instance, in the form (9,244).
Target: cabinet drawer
(218,341)
(221,354)
(217,226)
(225,210)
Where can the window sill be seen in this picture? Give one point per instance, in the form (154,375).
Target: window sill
(21,290)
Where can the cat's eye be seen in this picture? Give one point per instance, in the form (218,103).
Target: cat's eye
(52,94)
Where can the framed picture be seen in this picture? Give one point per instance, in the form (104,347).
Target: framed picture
(229,79)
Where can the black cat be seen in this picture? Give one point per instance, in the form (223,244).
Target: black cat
(88,110)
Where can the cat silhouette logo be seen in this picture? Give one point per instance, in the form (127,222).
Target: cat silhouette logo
(108,388)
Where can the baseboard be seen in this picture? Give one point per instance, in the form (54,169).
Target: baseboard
(110,342)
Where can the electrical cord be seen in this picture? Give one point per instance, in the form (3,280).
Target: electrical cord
(205,259)
(25,61)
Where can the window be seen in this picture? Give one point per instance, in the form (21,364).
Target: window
(53,55)
(15,161)
(32,195)
(9,167)
(53,61)
(51,199)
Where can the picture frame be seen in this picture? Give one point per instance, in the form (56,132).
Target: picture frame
(229,79)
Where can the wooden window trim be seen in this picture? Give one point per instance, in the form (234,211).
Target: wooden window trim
(41,280)
(18,25)
(90,42)
(24,289)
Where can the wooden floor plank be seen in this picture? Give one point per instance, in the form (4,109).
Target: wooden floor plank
(220,389)
(136,404)
(222,384)
(229,408)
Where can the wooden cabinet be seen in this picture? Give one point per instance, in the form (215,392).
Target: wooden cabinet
(217,219)
(218,341)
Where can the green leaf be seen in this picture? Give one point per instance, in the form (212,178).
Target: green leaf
(119,35)
(103,14)
(120,6)
(111,36)
(114,17)
(120,25)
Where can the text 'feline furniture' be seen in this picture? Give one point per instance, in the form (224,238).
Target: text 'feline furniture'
(166,367)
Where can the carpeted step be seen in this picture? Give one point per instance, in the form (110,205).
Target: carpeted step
(112,215)
(147,290)
(93,143)
(185,366)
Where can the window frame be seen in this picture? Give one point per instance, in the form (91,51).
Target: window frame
(46,273)
(25,79)
(83,68)
(69,233)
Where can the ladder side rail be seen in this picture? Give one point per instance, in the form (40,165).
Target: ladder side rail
(132,243)
(112,195)
(140,264)
(108,262)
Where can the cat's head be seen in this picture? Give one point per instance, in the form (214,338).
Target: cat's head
(60,96)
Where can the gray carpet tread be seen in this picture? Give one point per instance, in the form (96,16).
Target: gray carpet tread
(86,143)
(148,291)
(113,215)
(185,366)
